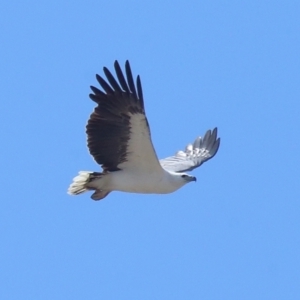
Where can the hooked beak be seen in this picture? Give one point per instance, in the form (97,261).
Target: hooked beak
(192,178)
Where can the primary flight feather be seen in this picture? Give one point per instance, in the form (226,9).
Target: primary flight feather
(119,139)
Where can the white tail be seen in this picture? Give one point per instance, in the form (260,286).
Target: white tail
(88,181)
(79,184)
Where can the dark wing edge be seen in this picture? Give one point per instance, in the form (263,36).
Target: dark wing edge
(108,128)
(194,155)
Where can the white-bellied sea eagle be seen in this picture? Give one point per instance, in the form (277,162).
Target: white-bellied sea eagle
(119,139)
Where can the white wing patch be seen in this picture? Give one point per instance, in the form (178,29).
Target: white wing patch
(194,154)
(141,156)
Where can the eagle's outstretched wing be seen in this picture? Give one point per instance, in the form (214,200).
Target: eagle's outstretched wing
(118,132)
(194,155)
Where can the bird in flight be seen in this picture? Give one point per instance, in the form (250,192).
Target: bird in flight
(119,139)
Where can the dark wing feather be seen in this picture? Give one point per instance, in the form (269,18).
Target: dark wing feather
(121,77)
(109,129)
(130,79)
(112,80)
(104,85)
(97,91)
(140,90)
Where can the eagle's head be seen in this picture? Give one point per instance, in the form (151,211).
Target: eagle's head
(180,179)
(187,178)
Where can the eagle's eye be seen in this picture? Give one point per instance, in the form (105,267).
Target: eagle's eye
(184,176)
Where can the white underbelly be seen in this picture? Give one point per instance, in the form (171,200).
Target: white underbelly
(140,183)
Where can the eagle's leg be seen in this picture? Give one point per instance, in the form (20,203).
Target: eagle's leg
(100,194)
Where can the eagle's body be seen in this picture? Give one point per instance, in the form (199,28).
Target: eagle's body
(139,182)
(119,140)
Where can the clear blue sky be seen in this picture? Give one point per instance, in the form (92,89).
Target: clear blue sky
(232,235)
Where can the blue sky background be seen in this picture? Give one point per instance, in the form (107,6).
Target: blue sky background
(232,235)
